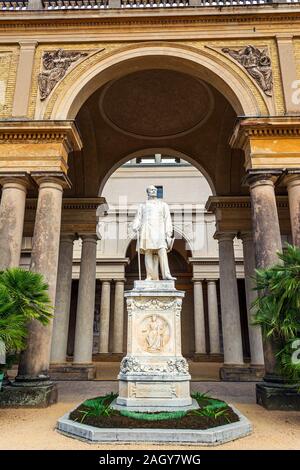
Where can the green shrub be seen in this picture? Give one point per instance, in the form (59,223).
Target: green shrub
(213,413)
(99,406)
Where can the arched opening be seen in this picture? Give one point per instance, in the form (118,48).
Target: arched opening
(140,125)
(193,229)
(156,97)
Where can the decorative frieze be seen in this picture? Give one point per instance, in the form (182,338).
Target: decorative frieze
(257,63)
(269,143)
(131,365)
(146,304)
(32,146)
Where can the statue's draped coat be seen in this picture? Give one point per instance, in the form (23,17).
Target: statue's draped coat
(153,220)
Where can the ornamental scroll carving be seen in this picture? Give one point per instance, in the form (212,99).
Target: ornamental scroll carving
(257,63)
(55,65)
(150,304)
(130,365)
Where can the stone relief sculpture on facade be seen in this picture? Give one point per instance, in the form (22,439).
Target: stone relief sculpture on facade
(55,65)
(257,63)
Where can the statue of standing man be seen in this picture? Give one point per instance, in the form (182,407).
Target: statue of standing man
(154,228)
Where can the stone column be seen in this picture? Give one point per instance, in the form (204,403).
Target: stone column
(267,242)
(83,347)
(255,337)
(12,210)
(63,300)
(231,324)
(104,317)
(34,363)
(199,323)
(213,317)
(118,317)
(293,187)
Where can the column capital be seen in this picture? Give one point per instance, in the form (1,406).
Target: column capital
(267,177)
(245,236)
(68,237)
(224,236)
(15,178)
(211,281)
(29,44)
(119,280)
(292,178)
(88,237)
(44,178)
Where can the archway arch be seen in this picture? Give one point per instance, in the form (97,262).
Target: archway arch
(162,150)
(238,88)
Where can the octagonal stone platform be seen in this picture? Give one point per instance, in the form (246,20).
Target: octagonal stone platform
(208,437)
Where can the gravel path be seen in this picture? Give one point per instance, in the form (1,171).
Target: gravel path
(35,428)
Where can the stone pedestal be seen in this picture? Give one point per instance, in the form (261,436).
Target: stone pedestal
(154,373)
(40,396)
(69,371)
(278,396)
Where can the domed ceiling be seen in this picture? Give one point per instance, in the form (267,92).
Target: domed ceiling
(156,104)
(156,110)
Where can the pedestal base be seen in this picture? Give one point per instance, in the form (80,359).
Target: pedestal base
(274,396)
(157,391)
(242,373)
(72,371)
(154,373)
(41,396)
(154,409)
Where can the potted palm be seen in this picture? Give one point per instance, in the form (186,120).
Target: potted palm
(277,310)
(23,297)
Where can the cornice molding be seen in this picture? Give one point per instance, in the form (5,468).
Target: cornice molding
(211,15)
(210,261)
(40,132)
(72,203)
(264,127)
(241,202)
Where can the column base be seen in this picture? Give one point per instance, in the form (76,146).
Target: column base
(232,373)
(67,371)
(108,357)
(200,357)
(28,396)
(278,396)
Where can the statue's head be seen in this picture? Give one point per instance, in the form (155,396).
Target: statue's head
(151,191)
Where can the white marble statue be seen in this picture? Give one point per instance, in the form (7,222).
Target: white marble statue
(153,226)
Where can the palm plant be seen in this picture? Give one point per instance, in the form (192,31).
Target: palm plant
(23,297)
(278,308)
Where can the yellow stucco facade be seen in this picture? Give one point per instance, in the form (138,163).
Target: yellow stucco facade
(83,91)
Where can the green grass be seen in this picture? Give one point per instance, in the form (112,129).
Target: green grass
(153,416)
(101,406)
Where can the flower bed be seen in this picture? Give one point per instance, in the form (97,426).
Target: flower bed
(98,412)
